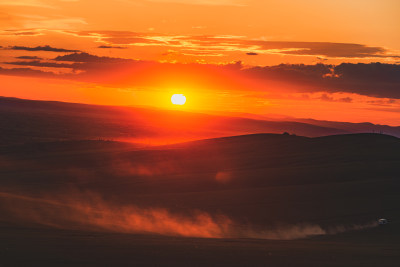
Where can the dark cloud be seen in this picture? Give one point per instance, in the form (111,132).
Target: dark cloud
(109,46)
(373,79)
(88,58)
(122,72)
(383,102)
(25,72)
(292,71)
(28,57)
(345,99)
(41,48)
(252,54)
(326,97)
(37,63)
(374,72)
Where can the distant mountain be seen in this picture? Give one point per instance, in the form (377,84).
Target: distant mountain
(364,127)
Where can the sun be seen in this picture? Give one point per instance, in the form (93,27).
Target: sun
(178,99)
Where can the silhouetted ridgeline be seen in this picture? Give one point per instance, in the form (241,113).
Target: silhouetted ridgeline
(23,121)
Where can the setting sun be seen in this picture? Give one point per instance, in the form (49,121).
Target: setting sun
(178,99)
(199,132)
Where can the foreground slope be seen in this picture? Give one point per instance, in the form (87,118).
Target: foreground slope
(109,203)
(262,178)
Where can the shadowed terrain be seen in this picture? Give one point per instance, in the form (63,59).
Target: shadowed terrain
(23,121)
(253,199)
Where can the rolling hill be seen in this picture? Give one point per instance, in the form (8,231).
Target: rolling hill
(72,191)
(23,121)
(262,179)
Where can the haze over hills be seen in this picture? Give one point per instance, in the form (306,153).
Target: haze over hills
(24,121)
(53,148)
(327,181)
(62,183)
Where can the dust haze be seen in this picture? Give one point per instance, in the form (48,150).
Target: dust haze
(89,211)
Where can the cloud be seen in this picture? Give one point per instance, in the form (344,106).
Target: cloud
(38,63)
(346,99)
(110,38)
(319,49)
(26,72)
(373,79)
(26,3)
(135,41)
(28,24)
(327,49)
(28,57)
(200,45)
(374,72)
(88,58)
(237,3)
(252,54)
(81,61)
(41,48)
(109,46)
(55,23)
(30,32)
(326,97)
(382,102)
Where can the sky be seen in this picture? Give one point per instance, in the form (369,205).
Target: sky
(329,60)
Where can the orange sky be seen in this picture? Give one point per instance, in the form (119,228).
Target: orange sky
(204,33)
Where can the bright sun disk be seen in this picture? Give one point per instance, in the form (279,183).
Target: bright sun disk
(178,99)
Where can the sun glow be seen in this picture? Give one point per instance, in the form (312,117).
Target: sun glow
(178,99)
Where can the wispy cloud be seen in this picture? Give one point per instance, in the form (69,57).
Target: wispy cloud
(37,63)
(217,44)
(110,46)
(204,2)
(27,3)
(85,57)
(28,32)
(40,22)
(28,57)
(373,79)
(41,48)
